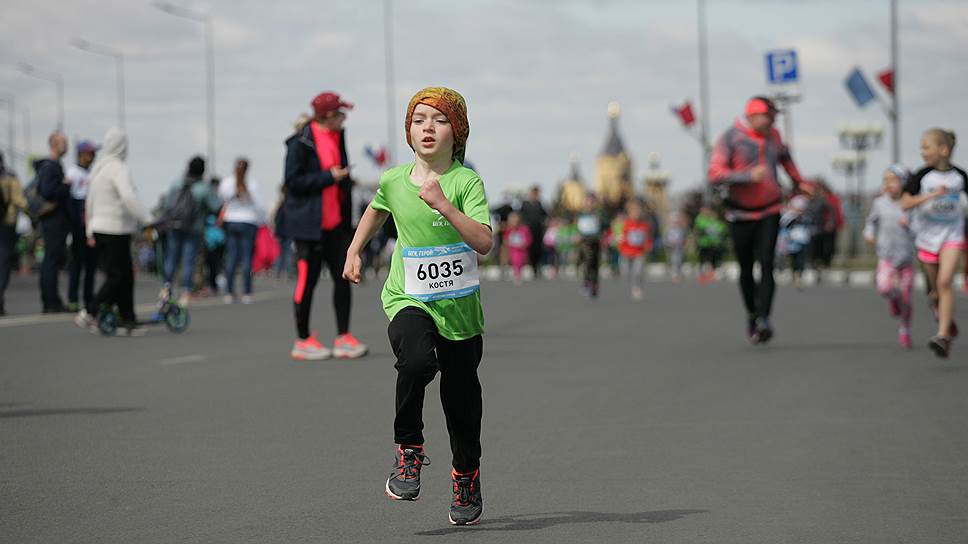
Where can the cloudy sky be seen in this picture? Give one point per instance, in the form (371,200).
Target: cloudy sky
(537,75)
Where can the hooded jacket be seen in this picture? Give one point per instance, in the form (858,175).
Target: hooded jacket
(305,180)
(112,205)
(737,152)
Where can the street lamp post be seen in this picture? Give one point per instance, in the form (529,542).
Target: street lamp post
(206,20)
(703,85)
(388,60)
(11,128)
(54,77)
(97,49)
(849,164)
(858,139)
(26,126)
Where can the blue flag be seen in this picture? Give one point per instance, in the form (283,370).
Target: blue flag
(859,88)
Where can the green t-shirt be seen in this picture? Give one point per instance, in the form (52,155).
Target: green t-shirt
(710,232)
(420,226)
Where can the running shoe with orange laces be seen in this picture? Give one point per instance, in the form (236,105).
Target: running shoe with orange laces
(404,482)
(467,506)
(346,346)
(310,349)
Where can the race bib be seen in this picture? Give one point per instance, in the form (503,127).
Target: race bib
(442,272)
(588,225)
(800,234)
(516,240)
(945,208)
(635,238)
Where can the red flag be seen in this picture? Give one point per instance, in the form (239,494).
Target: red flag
(886,77)
(685,114)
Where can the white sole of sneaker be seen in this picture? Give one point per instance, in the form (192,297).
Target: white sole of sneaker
(299,356)
(474,522)
(390,494)
(340,354)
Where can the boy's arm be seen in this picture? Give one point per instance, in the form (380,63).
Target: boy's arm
(475,234)
(371,222)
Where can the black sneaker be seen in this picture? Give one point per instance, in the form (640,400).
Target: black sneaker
(940,345)
(404,483)
(467,507)
(752,334)
(764,330)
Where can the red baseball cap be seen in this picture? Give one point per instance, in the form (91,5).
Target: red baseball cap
(327,102)
(761,104)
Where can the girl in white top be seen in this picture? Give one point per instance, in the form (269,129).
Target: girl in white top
(242,214)
(937,196)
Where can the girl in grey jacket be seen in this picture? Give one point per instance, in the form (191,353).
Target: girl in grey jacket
(887,227)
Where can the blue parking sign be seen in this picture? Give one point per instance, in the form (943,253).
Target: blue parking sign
(781,66)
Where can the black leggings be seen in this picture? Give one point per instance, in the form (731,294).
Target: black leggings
(114,252)
(311,254)
(591,252)
(421,351)
(756,241)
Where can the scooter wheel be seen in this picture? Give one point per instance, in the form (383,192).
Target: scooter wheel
(107,323)
(177,319)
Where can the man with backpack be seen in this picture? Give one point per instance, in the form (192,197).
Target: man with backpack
(54,190)
(188,202)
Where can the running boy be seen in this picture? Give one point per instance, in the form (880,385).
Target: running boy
(589,224)
(635,242)
(887,226)
(710,233)
(432,293)
(936,194)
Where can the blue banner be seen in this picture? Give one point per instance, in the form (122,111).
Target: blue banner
(859,89)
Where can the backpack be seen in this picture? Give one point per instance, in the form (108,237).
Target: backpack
(180,215)
(38,207)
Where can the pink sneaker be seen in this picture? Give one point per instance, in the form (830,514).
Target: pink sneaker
(904,339)
(346,346)
(310,350)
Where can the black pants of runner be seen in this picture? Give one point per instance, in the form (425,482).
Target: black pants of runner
(536,251)
(311,254)
(590,254)
(755,241)
(114,252)
(83,263)
(421,351)
(55,231)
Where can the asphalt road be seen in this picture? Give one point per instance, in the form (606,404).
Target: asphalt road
(605,421)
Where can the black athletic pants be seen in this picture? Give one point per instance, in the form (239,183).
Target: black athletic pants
(83,263)
(114,252)
(756,241)
(420,353)
(590,253)
(331,247)
(55,230)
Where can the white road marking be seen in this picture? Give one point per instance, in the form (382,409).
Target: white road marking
(196,358)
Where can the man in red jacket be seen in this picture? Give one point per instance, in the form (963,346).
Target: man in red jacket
(744,164)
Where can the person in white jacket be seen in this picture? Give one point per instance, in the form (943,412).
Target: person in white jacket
(242,214)
(113,213)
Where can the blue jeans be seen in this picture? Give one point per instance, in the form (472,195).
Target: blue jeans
(182,246)
(239,243)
